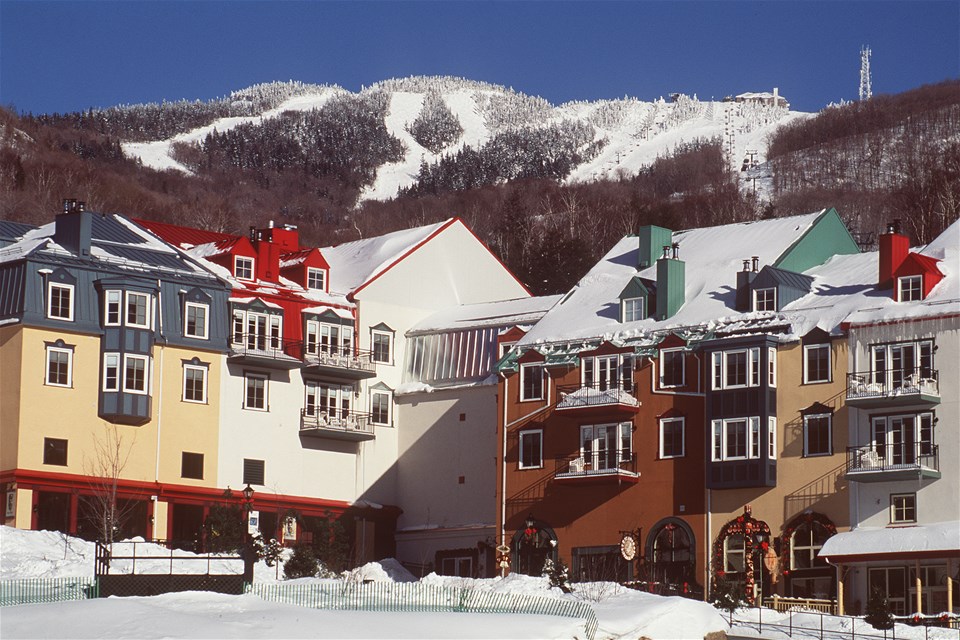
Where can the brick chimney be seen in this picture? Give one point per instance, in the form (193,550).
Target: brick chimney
(894,247)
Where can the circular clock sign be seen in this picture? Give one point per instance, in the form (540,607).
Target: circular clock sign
(628,547)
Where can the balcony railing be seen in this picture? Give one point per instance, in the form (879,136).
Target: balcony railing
(343,425)
(893,386)
(615,463)
(345,362)
(901,461)
(598,395)
(266,350)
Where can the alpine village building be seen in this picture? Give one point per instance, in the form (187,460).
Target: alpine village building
(755,405)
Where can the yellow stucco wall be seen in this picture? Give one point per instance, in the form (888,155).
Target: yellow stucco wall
(10,380)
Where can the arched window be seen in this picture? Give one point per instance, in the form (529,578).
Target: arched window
(739,555)
(671,555)
(805,544)
(807,574)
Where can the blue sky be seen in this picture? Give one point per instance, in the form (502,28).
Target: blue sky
(70,55)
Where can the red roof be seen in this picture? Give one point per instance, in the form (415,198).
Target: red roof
(182,236)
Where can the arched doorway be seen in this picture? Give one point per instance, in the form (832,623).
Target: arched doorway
(807,574)
(670,555)
(532,546)
(743,558)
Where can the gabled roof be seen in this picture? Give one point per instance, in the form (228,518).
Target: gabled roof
(11,231)
(504,313)
(183,237)
(781,277)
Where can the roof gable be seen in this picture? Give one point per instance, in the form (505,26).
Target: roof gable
(826,237)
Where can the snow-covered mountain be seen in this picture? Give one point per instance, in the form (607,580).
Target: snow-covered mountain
(628,134)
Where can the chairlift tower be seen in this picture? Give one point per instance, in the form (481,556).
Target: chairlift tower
(866,88)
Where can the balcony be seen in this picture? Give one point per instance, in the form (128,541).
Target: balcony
(597,467)
(353,425)
(598,399)
(878,389)
(265,351)
(892,462)
(339,363)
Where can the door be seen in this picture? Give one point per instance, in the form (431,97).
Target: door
(598,446)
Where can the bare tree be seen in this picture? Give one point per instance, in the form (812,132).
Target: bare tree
(110,456)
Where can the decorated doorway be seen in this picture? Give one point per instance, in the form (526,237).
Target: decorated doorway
(532,546)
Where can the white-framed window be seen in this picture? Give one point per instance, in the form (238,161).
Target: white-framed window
(194,383)
(257,331)
(531,381)
(112,301)
(672,443)
(604,446)
(901,364)
(805,545)
(531,449)
(910,288)
(111,372)
(136,373)
(59,367)
(196,320)
(60,301)
(903,508)
(607,372)
(632,309)
(736,368)
(891,582)
(734,553)
(817,435)
(255,395)
(765,299)
(672,368)
(772,438)
(322,337)
(772,366)
(816,363)
(331,401)
(382,343)
(380,404)
(243,268)
(316,279)
(138,312)
(903,440)
(736,439)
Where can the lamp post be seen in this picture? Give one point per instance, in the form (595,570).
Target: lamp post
(761,554)
(247,553)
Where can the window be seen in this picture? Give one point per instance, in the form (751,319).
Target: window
(671,437)
(191,465)
(135,370)
(60,301)
(891,582)
(903,440)
(933,589)
(805,544)
(253,471)
(257,331)
(380,402)
(111,311)
(111,372)
(771,366)
(194,383)
(55,451)
(195,320)
(604,446)
(256,392)
(910,288)
(633,309)
(330,402)
(765,299)
(329,338)
(461,566)
(531,449)
(138,305)
(902,364)
(733,553)
(59,367)
(672,368)
(771,438)
(903,508)
(738,439)
(531,382)
(316,279)
(243,268)
(740,368)
(816,363)
(607,372)
(817,436)
(382,346)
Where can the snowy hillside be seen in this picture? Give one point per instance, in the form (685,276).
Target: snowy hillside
(627,134)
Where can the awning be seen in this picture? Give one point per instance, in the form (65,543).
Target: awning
(916,542)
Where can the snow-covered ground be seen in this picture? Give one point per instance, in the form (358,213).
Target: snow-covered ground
(622,613)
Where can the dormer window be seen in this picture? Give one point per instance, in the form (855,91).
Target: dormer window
(633,309)
(765,299)
(316,279)
(243,268)
(910,288)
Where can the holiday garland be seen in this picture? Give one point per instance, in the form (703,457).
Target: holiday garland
(747,526)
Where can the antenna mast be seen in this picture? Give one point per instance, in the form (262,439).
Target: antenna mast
(866,88)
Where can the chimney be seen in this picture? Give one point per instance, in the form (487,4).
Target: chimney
(755,260)
(651,239)
(744,280)
(894,247)
(671,282)
(73,228)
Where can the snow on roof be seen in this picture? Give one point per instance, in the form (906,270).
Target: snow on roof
(949,238)
(342,313)
(713,256)
(487,314)
(865,542)
(353,264)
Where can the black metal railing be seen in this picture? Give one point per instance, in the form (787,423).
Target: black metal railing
(893,457)
(597,463)
(597,394)
(265,346)
(893,382)
(349,421)
(337,357)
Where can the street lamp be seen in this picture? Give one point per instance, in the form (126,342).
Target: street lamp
(761,554)
(247,497)
(249,558)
